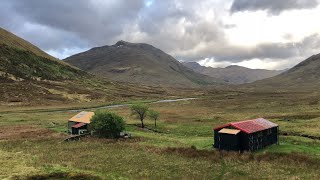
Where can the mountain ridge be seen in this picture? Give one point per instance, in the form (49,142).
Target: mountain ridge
(139,63)
(233,74)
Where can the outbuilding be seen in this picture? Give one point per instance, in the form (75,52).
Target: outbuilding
(80,123)
(248,135)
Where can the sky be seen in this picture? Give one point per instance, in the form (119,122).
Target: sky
(259,34)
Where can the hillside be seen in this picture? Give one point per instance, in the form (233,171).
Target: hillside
(233,74)
(17,65)
(12,40)
(304,75)
(22,61)
(138,63)
(29,76)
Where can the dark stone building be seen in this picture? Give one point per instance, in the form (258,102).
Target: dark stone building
(248,135)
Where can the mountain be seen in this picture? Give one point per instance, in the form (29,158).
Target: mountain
(29,76)
(304,75)
(138,63)
(233,74)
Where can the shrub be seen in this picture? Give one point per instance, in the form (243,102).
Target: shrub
(107,124)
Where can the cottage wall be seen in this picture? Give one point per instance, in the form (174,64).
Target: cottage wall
(261,139)
(247,142)
(70,124)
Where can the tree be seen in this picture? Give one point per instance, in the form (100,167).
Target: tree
(154,115)
(107,124)
(140,110)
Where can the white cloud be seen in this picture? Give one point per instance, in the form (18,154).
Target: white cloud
(210,62)
(253,28)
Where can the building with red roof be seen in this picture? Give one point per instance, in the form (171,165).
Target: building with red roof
(248,135)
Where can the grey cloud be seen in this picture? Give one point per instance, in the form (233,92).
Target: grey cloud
(74,24)
(51,38)
(152,18)
(272,6)
(97,21)
(177,27)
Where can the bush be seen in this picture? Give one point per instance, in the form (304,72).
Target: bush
(107,124)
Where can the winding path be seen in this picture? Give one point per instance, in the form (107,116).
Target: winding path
(97,107)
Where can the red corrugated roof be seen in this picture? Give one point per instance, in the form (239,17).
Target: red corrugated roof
(250,126)
(78,125)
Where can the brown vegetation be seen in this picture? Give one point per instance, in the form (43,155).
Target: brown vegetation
(25,132)
(59,175)
(286,158)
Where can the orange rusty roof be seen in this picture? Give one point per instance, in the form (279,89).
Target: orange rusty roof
(82,117)
(229,131)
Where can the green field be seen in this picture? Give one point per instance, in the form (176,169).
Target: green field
(31,142)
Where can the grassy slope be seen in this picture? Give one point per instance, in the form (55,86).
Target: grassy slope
(27,77)
(303,76)
(12,40)
(168,154)
(25,65)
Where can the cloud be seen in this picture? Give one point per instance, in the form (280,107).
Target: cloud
(274,7)
(187,30)
(73,24)
(233,53)
(267,55)
(98,21)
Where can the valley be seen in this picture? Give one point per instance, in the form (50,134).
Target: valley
(181,149)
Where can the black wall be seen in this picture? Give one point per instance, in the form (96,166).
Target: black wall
(246,142)
(76,130)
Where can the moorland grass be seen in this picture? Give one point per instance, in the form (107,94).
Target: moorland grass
(182,149)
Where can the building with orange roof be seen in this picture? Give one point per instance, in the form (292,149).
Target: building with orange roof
(80,123)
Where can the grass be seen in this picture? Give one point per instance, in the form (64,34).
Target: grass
(19,164)
(182,149)
(27,65)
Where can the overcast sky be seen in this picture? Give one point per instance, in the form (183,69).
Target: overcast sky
(269,34)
